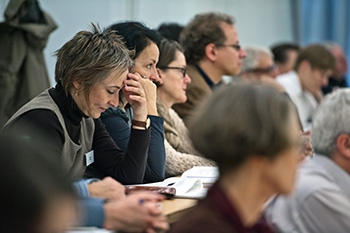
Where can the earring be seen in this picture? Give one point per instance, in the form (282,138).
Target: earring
(77,93)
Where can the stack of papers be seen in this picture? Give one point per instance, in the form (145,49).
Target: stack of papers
(193,183)
(207,175)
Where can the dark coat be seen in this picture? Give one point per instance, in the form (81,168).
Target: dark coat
(23,36)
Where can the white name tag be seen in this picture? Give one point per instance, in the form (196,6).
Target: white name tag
(89,158)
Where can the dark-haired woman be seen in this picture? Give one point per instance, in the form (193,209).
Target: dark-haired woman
(118,120)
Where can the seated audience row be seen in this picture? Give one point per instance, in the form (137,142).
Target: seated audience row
(67,114)
(119,115)
(91,69)
(180,155)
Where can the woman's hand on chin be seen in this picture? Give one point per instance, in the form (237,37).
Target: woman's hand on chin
(136,96)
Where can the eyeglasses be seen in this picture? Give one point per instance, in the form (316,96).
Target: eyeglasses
(182,69)
(266,70)
(235,46)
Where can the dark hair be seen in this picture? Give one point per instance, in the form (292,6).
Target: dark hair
(170,31)
(89,57)
(136,35)
(167,52)
(30,179)
(280,51)
(318,56)
(240,121)
(204,29)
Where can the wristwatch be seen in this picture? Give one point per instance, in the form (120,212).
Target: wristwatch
(143,124)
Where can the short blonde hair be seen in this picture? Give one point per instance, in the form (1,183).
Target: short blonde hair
(89,57)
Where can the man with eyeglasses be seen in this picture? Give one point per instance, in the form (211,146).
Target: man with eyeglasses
(313,66)
(258,63)
(212,50)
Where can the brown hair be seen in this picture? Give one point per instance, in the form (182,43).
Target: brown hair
(241,121)
(167,52)
(89,57)
(318,56)
(201,31)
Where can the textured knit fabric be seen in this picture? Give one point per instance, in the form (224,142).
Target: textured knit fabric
(175,131)
(180,153)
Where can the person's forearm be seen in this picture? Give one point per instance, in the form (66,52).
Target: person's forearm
(81,187)
(126,167)
(155,168)
(92,212)
(152,110)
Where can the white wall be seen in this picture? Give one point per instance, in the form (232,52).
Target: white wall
(258,22)
(263,22)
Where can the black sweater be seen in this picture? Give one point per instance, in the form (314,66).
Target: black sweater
(126,167)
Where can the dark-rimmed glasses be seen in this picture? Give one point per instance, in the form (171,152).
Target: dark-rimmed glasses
(235,46)
(182,69)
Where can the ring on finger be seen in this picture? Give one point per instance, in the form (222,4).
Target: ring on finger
(143,76)
(141,94)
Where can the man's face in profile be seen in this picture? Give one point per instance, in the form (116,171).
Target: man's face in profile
(230,54)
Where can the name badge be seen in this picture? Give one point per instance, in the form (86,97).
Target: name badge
(89,158)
